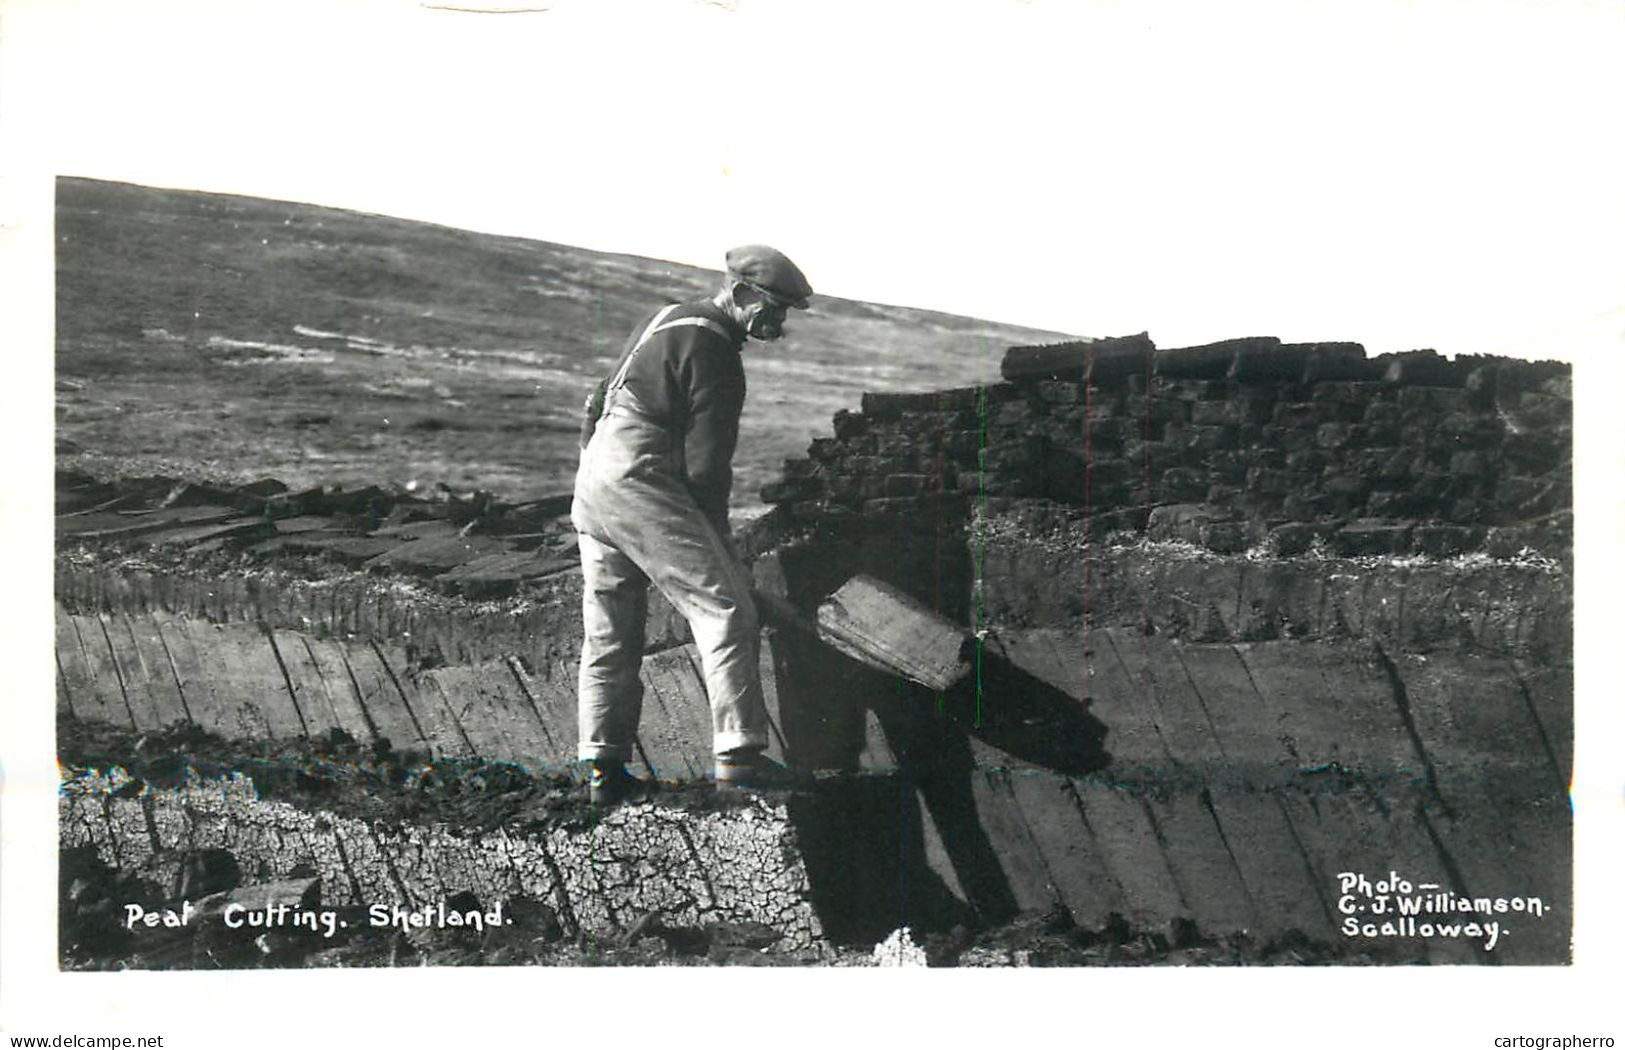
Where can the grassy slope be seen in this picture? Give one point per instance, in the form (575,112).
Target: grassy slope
(236,338)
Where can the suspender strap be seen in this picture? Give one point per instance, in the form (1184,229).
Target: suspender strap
(656,326)
(648,333)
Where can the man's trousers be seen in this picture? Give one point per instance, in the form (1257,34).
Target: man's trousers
(637,524)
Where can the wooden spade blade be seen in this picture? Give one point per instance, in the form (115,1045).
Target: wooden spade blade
(878,625)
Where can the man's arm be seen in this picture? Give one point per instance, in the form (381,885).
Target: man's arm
(714,380)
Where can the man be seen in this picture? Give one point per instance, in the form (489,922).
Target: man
(651,504)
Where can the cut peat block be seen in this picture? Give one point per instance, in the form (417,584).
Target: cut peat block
(880,626)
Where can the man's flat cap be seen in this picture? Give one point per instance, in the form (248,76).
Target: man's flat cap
(771,271)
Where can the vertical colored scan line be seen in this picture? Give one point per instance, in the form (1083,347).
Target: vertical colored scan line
(1088,535)
(980,519)
(943,419)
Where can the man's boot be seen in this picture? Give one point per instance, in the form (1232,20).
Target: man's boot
(608,784)
(752,770)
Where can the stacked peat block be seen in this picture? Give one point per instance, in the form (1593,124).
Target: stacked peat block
(902,454)
(1227,445)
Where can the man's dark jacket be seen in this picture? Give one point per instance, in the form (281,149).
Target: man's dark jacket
(691,381)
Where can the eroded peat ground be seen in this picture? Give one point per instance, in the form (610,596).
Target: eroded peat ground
(391,789)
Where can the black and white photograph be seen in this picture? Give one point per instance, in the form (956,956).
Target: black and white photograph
(546,493)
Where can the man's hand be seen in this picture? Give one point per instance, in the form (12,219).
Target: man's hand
(592,411)
(778,612)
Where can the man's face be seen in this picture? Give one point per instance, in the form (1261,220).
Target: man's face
(766,316)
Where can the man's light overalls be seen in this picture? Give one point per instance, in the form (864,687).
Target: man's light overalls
(637,523)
